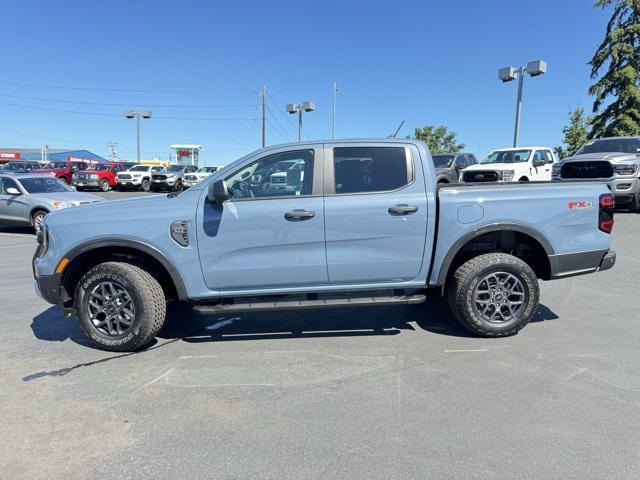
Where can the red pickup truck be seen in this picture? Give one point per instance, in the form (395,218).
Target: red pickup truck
(102,176)
(63,170)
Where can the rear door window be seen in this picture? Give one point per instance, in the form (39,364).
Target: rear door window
(370,169)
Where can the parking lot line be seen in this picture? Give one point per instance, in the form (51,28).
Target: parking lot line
(18,235)
(464,351)
(19,245)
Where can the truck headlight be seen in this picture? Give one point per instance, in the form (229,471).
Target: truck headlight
(625,168)
(507,175)
(555,170)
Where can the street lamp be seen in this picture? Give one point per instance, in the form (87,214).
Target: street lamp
(298,108)
(137,114)
(506,74)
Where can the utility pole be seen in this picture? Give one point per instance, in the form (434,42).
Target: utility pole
(264,116)
(137,114)
(516,132)
(333,124)
(113,154)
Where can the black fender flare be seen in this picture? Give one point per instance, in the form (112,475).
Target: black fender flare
(493,227)
(144,247)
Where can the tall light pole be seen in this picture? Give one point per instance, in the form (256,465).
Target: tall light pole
(298,108)
(507,74)
(137,114)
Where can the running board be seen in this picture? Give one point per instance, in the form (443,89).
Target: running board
(301,304)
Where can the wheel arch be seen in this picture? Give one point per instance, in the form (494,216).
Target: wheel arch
(501,236)
(86,255)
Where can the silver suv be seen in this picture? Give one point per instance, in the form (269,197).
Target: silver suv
(171,178)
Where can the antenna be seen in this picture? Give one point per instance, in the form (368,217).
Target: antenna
(394,135)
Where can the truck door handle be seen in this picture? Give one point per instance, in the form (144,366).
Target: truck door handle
(402,209)
(298,215)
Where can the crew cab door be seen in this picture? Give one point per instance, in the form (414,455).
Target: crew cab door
(375,213)
(270,233)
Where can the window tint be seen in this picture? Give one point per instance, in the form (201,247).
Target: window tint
(279,175)
(472,159)
(369,169)
(548,157)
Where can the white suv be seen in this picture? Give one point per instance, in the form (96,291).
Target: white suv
(520,164)
(137,177)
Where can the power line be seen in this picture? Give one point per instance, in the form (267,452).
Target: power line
(281,130)
(80,102)
(103,114)
(124,90)
(286,117)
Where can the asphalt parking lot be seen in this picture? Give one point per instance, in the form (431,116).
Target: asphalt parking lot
(388,392)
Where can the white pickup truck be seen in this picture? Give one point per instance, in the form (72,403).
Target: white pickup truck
(137,177)
(520,164)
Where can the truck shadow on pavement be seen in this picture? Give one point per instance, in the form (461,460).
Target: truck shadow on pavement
(182,325)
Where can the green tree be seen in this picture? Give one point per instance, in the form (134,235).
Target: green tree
(617,91)
(576,132)
(439,139)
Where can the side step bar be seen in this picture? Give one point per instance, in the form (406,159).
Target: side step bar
(300,304)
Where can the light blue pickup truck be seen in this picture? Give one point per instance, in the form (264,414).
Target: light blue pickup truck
(321,224)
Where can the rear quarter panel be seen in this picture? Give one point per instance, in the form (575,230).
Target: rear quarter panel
(543,208)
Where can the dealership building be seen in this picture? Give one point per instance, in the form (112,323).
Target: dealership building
(47,154)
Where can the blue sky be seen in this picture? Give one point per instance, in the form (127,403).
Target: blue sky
(424,62)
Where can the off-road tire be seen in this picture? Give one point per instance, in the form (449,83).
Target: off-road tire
(463,286)
(145,186)
(148,298)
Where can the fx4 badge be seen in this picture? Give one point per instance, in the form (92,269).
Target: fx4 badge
(579,204)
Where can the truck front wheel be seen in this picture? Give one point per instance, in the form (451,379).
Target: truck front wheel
(120,306)
(494,295)
(104,185)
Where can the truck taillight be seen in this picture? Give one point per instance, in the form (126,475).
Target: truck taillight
(605,216)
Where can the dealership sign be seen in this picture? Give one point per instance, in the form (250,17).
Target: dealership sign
(9,154)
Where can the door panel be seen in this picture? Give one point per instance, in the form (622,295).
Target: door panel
(12,207)
(274,240)
(368,243)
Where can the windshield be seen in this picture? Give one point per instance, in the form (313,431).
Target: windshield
(13,166)
(622,145)
(442,161)
(175,168)
(207,170)
(57,165)
(99,168)
(507,156)
(139,168)
(44,185)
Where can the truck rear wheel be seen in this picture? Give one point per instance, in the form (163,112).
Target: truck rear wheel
(494,295)
(120,306)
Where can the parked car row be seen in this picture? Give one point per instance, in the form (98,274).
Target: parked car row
(115,175)
(614,161)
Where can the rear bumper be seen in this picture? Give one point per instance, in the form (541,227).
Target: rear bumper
(572,264)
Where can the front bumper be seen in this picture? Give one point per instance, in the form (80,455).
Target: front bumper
(87,183)
(48,288)
(625,189)
(581,263)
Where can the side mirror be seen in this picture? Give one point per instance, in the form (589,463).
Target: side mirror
(13,191)
(538,163)
(218,192)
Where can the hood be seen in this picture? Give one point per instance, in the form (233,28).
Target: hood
(48,170)
(444,169)
(166,172)
(76,197)
(610,157)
